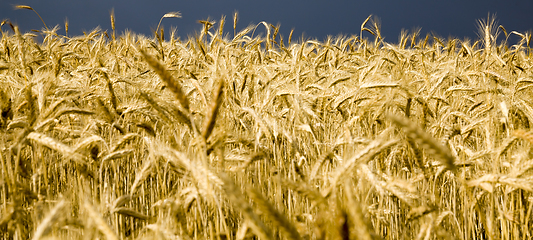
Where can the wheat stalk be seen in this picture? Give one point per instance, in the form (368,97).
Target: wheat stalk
(30,8)
(167,15)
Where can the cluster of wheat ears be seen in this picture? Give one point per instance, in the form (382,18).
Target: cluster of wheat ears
(259,137)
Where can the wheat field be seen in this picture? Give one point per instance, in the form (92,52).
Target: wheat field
(254,135)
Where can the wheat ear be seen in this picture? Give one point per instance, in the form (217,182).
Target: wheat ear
(237,199)
(57,146)
(99,221)
(279,220)
(165,75)
(425,140)
(209,122)
(30,8)
(44,226)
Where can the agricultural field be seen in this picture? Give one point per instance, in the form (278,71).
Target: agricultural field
(254,135)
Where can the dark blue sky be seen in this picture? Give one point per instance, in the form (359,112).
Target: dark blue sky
(317,19)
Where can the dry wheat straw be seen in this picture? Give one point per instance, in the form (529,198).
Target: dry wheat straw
(321,133)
